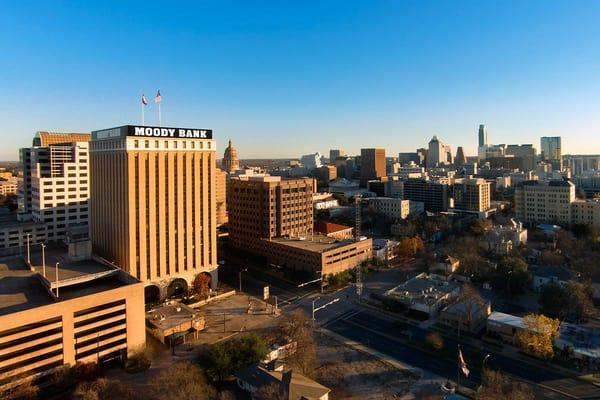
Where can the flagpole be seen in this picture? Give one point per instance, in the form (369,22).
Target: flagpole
(159,116)
(142,104)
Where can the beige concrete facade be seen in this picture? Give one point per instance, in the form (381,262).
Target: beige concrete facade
(544,201)
(221,196)
(154,203)
(96,316)
(471,194)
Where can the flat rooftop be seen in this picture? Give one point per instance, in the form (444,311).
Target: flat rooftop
(314,243)
(23,288)
(8,219)
(169,316)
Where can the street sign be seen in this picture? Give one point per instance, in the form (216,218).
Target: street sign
(266,293)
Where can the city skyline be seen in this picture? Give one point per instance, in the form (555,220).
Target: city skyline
(282,81)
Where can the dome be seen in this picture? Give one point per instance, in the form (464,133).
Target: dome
(230,159)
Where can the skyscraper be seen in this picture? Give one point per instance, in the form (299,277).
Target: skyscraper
(437,153)
(334,154)
(153,203)
(551,148)
(230,159)
(483,135)
(460,156)
(372,165)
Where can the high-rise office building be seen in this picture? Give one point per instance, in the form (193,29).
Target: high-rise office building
(483,135)
(372,165)
(231,161)
(334,154)
(221,196)
(527,154)
(551,148)
(153,203)
(544,201)
(434,195)
(460,156)
(55,188)
(471,194)
(438,153)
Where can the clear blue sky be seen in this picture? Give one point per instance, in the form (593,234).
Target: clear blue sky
(285,78)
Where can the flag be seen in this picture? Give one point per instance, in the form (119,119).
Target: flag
(157,99)
(463,364)
(144,101)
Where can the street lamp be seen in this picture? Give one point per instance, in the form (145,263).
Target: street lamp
(240,277)
(28,251)
(57,264)
(313,307)
(483,362)
(43,258)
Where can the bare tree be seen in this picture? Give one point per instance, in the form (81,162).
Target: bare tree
(297,326)
(182,381)
(103,389)
(497,386)
(272,391)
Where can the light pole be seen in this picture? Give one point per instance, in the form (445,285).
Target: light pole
(28,251)
(483,362)
(313,307)
(57,264)
(240,277)
(43,258)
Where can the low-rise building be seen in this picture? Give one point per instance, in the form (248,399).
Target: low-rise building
(501,239)
(8,187)
(385,249)
(425,294)
(445,263)
(173,321)
(333,230)
(291,386)
(14,234)
(324,201)
(345,188)
(466,316)
(545,274)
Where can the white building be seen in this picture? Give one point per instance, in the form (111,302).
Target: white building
(311,161)
(394,208)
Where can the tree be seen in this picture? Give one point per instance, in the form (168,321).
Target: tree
(232,355)
(538,334)
(473,302)
(551,258)
(182,381)
(434,340)
(201,285)
(554,300)
(103,389)
(512,274)
(496,386)
(25,390)
(297,327)
(580,301)
(408,247)
(271,391)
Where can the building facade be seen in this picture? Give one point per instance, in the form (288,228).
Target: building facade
(551,150)
(154,203)
(394,208)
(372,165)
(434,195)
(471,194)
(544,201)
(231,161)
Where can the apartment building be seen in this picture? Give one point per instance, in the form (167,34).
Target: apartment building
(545,201)
(154,204)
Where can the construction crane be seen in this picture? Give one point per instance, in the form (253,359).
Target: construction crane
(358,223)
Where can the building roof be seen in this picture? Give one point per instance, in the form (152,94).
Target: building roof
(301,387)
(327,228)
(552,271)
(44,138)
(500,318)
(314,243)
(424,288)
(169,316)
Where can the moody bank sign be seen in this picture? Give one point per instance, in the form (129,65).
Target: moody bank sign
(163,132)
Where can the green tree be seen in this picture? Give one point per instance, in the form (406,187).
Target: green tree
(580,301)
(512,274)
(554,300)
(232,355)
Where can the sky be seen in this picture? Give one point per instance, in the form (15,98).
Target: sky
(286,78)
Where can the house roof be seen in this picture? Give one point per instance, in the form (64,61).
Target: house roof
(301,387)
(553,271)
(329,227)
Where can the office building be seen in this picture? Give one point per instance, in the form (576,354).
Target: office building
(74,308)
(546,202)
(483,136)
(55,188)
(395,209)
(434,195)
(460,156)
(526,152)
(8,187)
(273,217)
(311,161)
(408,158)
(372,165)
(231,162)
(436,153)
(221,196)
(551,148)
(578,164)
(326,173)
(154,204)
(471,194)
(334,154)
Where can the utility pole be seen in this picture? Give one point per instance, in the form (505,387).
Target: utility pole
(43,258)
(28,251)
(240,277)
